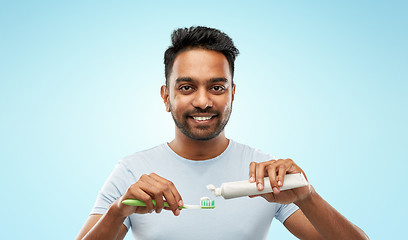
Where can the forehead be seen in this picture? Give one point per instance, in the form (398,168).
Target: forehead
(200,65)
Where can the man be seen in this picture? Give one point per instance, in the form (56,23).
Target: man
(199,93)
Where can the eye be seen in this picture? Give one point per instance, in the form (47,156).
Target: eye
(218,89)
(185,89)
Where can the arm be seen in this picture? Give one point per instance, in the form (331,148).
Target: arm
(316,218)
(147,188)
(327,220)
(103,226)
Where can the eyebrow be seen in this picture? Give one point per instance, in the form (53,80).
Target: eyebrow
(184,79)
(218,80)
(212,80)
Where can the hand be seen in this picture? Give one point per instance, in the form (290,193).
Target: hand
(276,170)
(147,188)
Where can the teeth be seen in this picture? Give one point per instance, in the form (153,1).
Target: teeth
(202,118)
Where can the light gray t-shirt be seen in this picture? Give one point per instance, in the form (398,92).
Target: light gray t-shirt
(240,218)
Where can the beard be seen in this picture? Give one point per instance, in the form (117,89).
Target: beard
(202,133)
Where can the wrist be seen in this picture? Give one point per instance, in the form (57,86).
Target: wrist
(115,212)
(307,200)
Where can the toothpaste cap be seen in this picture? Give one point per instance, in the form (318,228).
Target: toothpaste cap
(214,190)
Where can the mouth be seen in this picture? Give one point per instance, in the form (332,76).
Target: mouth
(202,118)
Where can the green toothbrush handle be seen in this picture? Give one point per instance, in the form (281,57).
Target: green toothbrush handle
(140,203)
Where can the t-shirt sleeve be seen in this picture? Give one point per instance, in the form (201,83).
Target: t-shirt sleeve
(115,186)
(284,211)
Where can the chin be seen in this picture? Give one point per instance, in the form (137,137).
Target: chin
(203,136)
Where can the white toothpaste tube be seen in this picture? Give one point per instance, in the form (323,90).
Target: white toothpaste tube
(245,188)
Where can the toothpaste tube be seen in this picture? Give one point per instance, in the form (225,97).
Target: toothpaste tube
(245,188)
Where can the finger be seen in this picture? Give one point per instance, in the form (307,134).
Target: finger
(252,169)
(158,197)
(259,175)
(287,167)
(170,192)
(271,171)
(141,195)
(155,189)
(171,200)
(293,167)
(281,174)
(172,196)
(172,187)
(145,184)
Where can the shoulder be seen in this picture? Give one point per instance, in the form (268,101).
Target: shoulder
(251,153)
(159,149)
(143,160)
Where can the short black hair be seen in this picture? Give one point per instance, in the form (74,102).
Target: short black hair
(183,39)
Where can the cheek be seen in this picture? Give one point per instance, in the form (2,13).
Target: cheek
(227,103)
(178,104)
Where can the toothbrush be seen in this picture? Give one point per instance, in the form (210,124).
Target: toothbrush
(205,203)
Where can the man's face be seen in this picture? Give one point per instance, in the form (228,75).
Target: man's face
(200,93)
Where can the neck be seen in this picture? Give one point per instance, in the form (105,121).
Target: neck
(198,150)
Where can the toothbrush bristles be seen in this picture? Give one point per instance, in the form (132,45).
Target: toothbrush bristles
(207,204)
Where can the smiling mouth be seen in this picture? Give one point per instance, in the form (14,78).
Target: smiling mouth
(202,118)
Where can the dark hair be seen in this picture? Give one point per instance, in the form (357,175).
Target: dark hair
(199,37)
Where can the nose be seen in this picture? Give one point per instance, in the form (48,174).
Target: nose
(202,99)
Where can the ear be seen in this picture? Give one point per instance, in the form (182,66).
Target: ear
(164,92)
(233,92)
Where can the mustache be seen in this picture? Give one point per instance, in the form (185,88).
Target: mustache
(201,111)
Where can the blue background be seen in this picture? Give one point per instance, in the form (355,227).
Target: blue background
(321,82)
